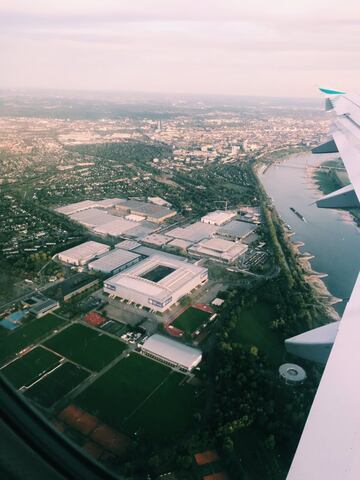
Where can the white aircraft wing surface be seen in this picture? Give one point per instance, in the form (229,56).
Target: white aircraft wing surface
(329,448)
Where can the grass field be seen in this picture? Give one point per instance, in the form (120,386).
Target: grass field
(168,412)
(29,367)
(26,335)
(86,346)
(191,319)
(57,384)
(253,328)
(140,393)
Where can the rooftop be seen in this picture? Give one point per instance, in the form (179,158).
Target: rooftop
(112,260)
(176,352)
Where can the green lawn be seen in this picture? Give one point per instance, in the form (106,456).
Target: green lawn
(26,335)
(57,384)
(191,319)
(88,347)
(29,367)
(168,412)
(140,394)
(253,328)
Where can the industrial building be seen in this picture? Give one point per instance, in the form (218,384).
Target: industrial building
(83,253)
(193,233)
(128,244)
(172,353)
(236,230)
(157,282)
(153,213)
(114,262)
(219,217)
(219,249)
(44,307)
(71,286)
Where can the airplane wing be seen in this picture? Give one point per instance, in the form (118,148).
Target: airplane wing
(329,446)
(345,134)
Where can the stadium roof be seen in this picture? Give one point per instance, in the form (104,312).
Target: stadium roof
(113,260)
(172,350)
(132,278)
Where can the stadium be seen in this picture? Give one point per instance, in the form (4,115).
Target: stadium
(157,282)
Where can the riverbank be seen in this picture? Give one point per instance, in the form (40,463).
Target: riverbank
(311,276)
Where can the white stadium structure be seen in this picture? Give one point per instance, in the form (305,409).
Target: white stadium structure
(171,352)
(157,282)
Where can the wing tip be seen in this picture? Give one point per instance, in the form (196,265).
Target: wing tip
(329,91)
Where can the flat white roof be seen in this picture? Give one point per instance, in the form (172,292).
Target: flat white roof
(156,239)
(218,217)
(92,217)
(115,226)
(112,260)
(76,207)
(194,233)
(172,350)
(85,251)
(224,249)
(128,244)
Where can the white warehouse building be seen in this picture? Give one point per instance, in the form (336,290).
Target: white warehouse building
(83,253)
(171,352)
(115,261)
(219,249)
(157,282)
(219,217)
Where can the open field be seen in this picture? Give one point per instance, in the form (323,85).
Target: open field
(138,393)
(28,368)
(57,384)
(253,328)
(168,412)
(27,334)
(191,319)
(86,346)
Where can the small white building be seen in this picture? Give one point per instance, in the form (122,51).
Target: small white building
(219,217)
(83,253)
(172,353)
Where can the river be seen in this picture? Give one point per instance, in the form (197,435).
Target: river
(329,235)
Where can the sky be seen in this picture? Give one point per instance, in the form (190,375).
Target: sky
(237,47)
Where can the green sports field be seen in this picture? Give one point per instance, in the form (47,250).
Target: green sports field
(86,346)
(29,367)
(57,384)
(139,393)
(191,319)
(27,334)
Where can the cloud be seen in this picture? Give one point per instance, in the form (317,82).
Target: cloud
(207,45)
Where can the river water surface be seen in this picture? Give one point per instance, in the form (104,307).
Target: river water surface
(330,235)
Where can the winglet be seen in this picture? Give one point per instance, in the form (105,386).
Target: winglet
(331,92)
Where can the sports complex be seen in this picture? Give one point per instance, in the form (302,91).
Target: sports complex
(75,367)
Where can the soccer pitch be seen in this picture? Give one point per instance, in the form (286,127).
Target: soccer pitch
(140,394)
(191,319)
(29,367)
(85,346)
(27,334)
(58,383)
